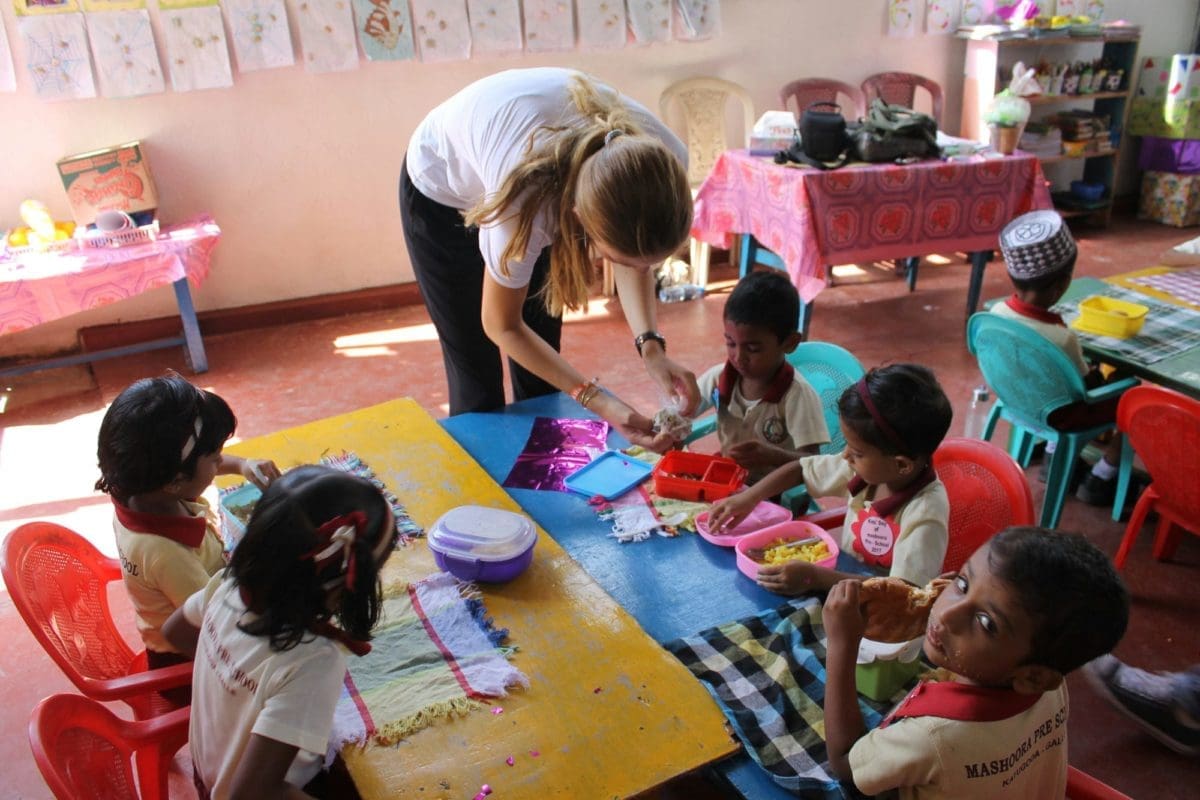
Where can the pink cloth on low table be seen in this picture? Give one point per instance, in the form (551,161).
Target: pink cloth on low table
(863,212)
(41,287)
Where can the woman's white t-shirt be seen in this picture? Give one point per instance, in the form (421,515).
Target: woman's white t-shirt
(240,686)
(462,151)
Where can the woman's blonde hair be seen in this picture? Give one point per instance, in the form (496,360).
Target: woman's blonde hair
(630,191)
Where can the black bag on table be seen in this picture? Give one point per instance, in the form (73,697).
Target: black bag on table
(822,143)
(890,132)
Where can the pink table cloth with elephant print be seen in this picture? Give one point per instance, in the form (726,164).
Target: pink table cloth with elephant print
(864,212)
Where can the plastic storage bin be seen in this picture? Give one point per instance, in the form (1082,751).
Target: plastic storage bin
(1107,316)
(697,477)
(476,543)
(762,515)
(884,668)
(794,531)
(235,509)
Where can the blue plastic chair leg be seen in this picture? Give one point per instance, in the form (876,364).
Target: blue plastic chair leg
(1124,474)
(1028,440)
(748,255)
(989,427)
(1062,464)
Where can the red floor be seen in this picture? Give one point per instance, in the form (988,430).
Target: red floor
(288,375)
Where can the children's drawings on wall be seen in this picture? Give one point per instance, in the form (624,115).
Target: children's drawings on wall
(127,62)
(197,56)
(113,5)
(649,20)
(1069,8)
(384,29)
(1095,10)
(259,32)
(697,19)
(549,25)
(56,56)
(495,26)
(601,23)
(441,30)
(941,16)
(28,8)
(900,18)
(8,76)
(327,35)
(976,12)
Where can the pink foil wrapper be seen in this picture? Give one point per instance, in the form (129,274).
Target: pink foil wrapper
(556,448)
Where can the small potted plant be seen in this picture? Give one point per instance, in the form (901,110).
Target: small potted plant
(1009,111)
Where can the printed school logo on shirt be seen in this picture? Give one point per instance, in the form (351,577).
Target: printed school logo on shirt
(774,430)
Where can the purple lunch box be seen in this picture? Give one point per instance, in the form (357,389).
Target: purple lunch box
(477,543)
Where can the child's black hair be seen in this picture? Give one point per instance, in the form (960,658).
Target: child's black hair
(288,591)
(1079,605)
(146,429)
(1064,271)
(767,299)
(910,400)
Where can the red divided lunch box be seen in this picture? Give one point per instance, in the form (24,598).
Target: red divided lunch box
(694,476)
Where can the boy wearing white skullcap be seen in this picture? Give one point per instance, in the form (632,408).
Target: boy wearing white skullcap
(1040,254)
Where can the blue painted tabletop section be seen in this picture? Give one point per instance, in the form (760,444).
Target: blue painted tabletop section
(673,587)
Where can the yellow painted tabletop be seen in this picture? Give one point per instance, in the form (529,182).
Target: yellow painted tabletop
(609,711)
(1126,279)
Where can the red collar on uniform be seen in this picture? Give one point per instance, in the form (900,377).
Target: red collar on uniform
(889,504)
(961,701)
(188,531)
(775,392)
(1033,312)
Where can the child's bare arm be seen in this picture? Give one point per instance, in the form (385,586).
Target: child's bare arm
(733,509)
(754,454)
(262,770)
(259,471)
(801,577)
(182,634)
(844,624)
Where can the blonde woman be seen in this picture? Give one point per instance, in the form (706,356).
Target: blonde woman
(510,191)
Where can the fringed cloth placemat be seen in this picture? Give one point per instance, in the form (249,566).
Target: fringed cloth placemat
(640,513)
(435,653)
(767,673)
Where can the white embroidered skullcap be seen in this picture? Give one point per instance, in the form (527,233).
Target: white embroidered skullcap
(1036,244)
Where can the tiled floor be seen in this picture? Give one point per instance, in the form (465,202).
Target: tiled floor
(291,374)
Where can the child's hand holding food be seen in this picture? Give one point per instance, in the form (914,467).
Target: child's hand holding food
(727,513)
(259,471)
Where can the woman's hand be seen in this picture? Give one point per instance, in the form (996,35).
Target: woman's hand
(677,381)
(636,427)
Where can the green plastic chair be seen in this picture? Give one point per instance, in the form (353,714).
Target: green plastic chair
(829,369)
(1032,377)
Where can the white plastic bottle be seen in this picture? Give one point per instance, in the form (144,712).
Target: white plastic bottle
(977,413)
(680,292)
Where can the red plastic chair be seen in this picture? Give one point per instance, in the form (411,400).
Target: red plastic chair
(83,750)
(805,92)
(1081,786)
(900,88)
(59,583)
(987,492)
(1163,428)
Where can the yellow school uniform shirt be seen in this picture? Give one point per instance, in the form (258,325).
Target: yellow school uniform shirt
(164,561)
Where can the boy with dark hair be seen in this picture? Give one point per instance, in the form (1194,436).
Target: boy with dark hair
(1028,607)
(767,413)
(1040,255)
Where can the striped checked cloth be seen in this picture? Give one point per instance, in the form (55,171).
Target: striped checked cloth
(435,653)
(767,672)
(1168,329)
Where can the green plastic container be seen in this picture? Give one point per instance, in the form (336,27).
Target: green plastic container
(884,669)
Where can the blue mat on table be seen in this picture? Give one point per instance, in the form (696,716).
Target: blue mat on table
(767,672)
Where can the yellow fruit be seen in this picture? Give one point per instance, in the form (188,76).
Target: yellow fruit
(18,237)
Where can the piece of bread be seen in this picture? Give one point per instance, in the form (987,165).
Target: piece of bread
(897,611)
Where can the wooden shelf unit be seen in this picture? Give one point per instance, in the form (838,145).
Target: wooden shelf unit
(988,68)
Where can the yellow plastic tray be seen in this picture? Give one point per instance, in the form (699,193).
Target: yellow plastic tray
(1107,316)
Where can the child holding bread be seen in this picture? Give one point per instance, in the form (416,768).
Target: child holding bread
(893,419)
(1028,607)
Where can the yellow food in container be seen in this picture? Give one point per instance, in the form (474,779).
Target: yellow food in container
(783,551)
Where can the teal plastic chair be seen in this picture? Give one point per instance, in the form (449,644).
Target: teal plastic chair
(829,369)
(1032,377)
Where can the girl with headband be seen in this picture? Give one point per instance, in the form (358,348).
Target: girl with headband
(159,448)
(512,190)
(893,419)
(269,667)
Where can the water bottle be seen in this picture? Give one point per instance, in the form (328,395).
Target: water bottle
(680,292)
(977,413)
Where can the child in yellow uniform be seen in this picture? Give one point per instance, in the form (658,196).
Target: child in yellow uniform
(767,413)
(159,449)
(1027,608)
(893,419)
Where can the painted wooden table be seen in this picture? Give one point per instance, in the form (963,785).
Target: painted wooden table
(674,587)
(40,287)
(650,721)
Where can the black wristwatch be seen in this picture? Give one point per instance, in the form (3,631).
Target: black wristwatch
(642,338)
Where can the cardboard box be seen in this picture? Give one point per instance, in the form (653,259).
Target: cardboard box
(1170,198)
(1169,120)
(113,178)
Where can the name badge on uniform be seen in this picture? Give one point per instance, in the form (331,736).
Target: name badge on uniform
(874,537)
